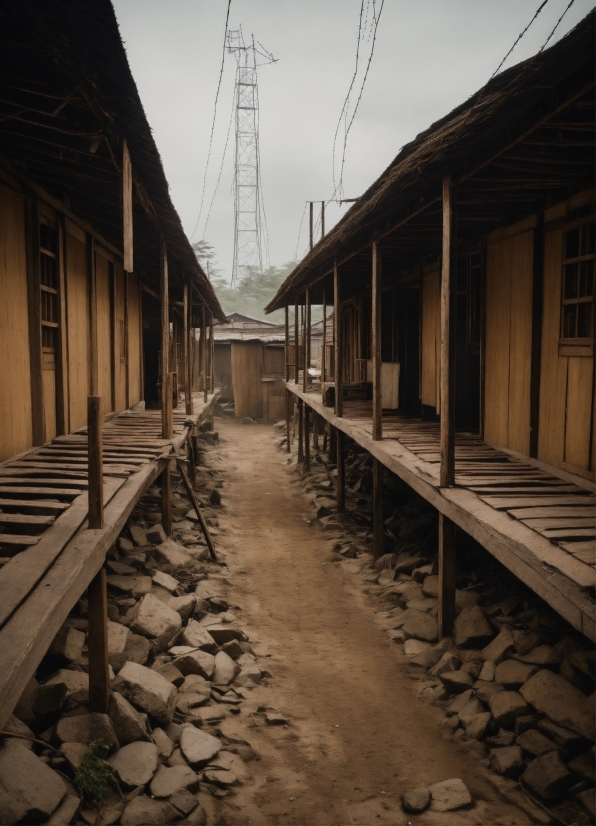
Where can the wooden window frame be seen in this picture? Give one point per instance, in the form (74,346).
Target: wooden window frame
(583,346)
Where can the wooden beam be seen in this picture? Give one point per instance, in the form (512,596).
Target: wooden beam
(127,337)
(446,612)
(211,359)
(165,337)
(62,390)
(166,479)
(306,438)
(376,322)
(195,504)
(300,431)
(127,220)
(448,309)
(340,490)
(204,354)
(339,402)
(93,351)
(378,527)
(296,343)
(186,352)
(95,462)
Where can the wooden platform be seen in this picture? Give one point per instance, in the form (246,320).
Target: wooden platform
(537,520)
(49,556)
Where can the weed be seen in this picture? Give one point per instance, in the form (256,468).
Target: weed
(95,775)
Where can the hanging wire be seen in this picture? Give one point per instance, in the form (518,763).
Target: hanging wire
(221,166)
(519,37)
(223,55)
(556,26)
(300,231)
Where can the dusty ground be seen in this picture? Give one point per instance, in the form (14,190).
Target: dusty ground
(358,735)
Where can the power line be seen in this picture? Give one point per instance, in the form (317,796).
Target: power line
(518,38)
(556,26)
(223,55)
(222,163)
(300,232)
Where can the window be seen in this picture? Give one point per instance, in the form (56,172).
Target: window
(48,248)
(577,312)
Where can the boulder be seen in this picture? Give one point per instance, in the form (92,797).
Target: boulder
(471,709)
(415,801)
(48,700)
(139,535)
(420,625)
(196,662)
(568,740)
(121,584)
(547,777)
(135,764)
(485,690)
(142,586)
(505,706)
(147,690)
(458,703)
(449,661)
(68,643)
(15,726)
(513,674)
(157,621)
(172,779)
(184,605)
(524,641)
(85,728)
(534,743)
(195,684)
(66,812)
(137,649)
(583,765)
(128,724)
(165,746)
(173,553)
(250,674)
(506,761)
(477,725)
(156,534)
(449,795)
(471,628)
(170,672)
(225,669)
(117,638)
(169,583)
(501,740)
(198,747)
(73,680)
(143,811)
(224,633)
(30,791)
(502,644)
(74,754)
(196,635)
(542,655)
(185,801)
(562,702)
(456,681)
(487,672)
(430,586)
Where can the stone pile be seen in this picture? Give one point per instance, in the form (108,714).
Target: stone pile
(180,664)
(516,681)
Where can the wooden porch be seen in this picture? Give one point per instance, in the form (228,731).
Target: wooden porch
(49,554)
(535,519)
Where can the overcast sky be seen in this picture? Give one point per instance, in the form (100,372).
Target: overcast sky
(430,55)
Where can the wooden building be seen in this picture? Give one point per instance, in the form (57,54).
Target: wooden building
(465,276)
(100,291)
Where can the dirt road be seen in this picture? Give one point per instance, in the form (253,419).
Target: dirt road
(357,734)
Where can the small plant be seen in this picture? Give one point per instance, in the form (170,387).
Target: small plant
(190,563)
(95,775)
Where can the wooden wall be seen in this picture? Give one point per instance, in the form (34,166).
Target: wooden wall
(567,381)
(247,371)
(104,331)
(431,337)
(119,327)
(223,370)
(15,389)
(77,315)
(135,345)
(509,261)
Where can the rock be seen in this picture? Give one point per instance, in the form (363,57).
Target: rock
(524,641)
(225,669)
(430,586)
(487,672)
(547,777)
(73,680)
(142,585)
(275,719)
(223,634)
(143,811)
(477,725)
(506,761)
(196,662)
(121,584)
(128,724)
(172,779)
(526,722)
(137,649)
(506,706)
(419,625)
(588,801)
(533,742)
(135,764)
(15,726)
(208,716)
(197,636)
(68,643)
(198,747)
(85,728)
(30,791)
(165,581)
(23,709)
(147,690)
(139,535)
(173,553)
(430,656)
(66,812)
(449,795)
(583,765)
(74,754)
(415,801)
(171,673)
(543,655)
(469,710)
(165,746)
(456,681)
(195,684)
(385,561)
(220,777)
(184,801)
(450,661)
(184,605)
(188,701)
(156,534)
(458,703)
(501,740)
(568,740)
(157,621)
(564,704)
(413,647)
(513,674)
(464,599)
(249,674)
(117,639)
(502,644)
(485,690)
(471,628)
(48,699)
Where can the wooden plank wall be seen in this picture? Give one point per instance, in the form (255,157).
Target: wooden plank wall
(135,337)
(15,404)
(567,382)
(509,337)
(247,371)
(223,370)
(274,399)
(120,354)
(104,332)
(77,311)
(431,337)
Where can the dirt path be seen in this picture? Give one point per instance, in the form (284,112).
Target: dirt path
(357,734)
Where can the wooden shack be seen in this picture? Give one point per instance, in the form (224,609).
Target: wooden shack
(465,275)
(101,292)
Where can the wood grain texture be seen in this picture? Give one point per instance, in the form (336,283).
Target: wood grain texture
(431,335)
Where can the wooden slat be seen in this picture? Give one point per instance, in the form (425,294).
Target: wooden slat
(43,482)
(558,522)
(34,504)
(569,533)
(520,501)
(552,512)
(25,519)
(51,492)
(17,539)
(586,551)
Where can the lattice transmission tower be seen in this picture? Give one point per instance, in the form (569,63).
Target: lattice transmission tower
(249,214)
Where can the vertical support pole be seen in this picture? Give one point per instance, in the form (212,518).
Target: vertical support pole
(305,376)
(166,479)
(99,672)
(377,417)
(165,339)
(300,431)
(306,438)
(322,219)
(211,355)
(186,351)
(204,364)
(311,225)
(323,346)
(296,342)
(377,509)
(341,471)
(339,401)
(287,376)
(93,351)
(315,430)
(446,608)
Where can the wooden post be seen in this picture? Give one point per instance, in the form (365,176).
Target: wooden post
(305,377)
(296,342)
(165,339)
(287,377)
(166,479)
(195,505)
(99,672)
(93,355)
(322,219)
(377,509)
(311,225)
(341,471)
(300,431)
(306,438)
(446,608)
(339,402)
(211,356)
(376,322)
(204,364)
(186,351)
(323,348)
(315,430)
(127,226)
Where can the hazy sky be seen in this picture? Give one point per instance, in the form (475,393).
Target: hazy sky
(430,55)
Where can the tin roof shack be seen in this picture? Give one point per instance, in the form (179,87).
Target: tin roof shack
(467,269)
(100,287)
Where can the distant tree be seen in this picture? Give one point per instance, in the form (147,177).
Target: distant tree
(205,254)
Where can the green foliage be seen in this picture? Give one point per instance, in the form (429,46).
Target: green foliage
(254,292)
(95,775)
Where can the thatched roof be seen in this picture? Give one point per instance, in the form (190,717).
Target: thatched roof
(67,102)
(552,92)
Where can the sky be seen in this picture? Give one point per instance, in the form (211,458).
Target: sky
(429,56)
